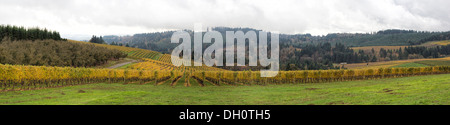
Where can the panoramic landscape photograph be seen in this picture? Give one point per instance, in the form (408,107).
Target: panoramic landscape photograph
(224,52)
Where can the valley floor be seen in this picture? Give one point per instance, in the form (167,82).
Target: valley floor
(418,90)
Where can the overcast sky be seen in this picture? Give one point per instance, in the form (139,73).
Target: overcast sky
(75,18)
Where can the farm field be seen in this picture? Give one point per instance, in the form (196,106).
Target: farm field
(417,90)
(18,78)
(413,64)
(151,79)
(435,62)
(385,64)
(377,48)
(435,43)
(233,53)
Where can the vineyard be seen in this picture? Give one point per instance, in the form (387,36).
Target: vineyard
(166,58)
(18,77)
(149,64)
(292,77)
(132,52)
(157,69)
(182,72)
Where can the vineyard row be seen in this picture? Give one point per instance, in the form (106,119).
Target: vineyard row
(18,77)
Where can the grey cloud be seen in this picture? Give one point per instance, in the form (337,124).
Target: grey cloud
(102,17)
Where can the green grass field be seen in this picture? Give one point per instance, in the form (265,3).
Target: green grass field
(434,62)
(423,63)
(418,90)
(410,65)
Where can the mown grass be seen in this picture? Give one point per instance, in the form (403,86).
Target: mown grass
(193,82)
(126,66)
(112,63)
(418,90)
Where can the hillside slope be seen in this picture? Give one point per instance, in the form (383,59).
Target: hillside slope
(132,52)
(54,53)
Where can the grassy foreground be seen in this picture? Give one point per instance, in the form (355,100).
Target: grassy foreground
(418,90)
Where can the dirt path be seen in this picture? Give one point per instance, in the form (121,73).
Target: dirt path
(122,64)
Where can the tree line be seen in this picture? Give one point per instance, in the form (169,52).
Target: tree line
(437,37)
(323,56)
(414,52)
(22,33)
(320,56)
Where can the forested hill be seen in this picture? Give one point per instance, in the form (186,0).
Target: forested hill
(152,41)
(380,38)
(160,41)
(40,47)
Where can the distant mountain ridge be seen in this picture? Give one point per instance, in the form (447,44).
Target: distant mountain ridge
(160,41)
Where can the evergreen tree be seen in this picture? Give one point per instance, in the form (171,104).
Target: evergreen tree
(96,39)
(374,58)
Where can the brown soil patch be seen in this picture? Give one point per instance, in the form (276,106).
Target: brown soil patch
(49,97)
(337,103)
(387,90)
(312,88)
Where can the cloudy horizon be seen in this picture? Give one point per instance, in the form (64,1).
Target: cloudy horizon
(84,18)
